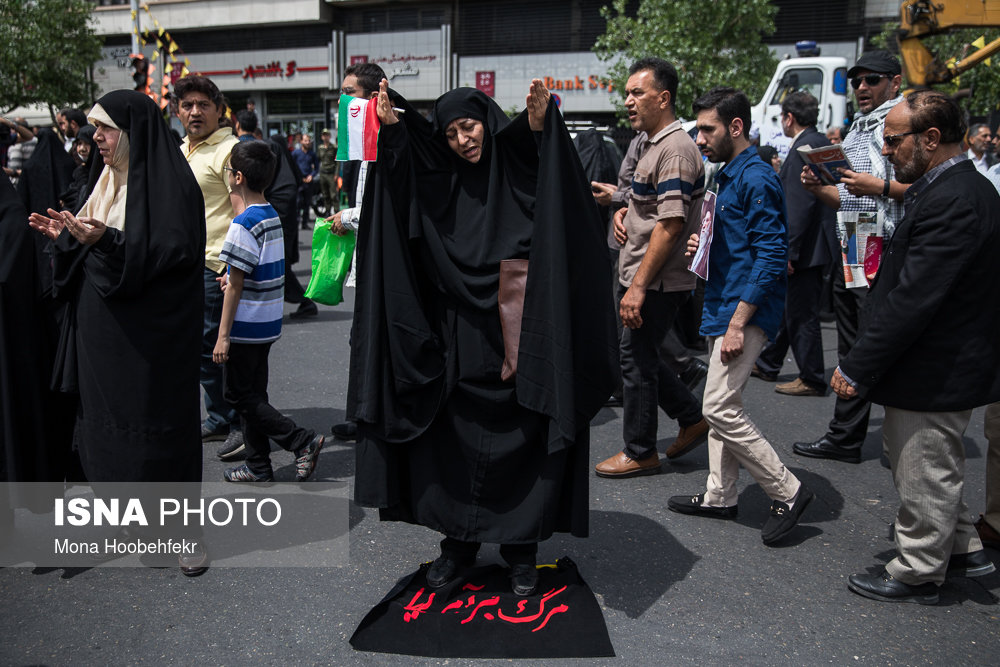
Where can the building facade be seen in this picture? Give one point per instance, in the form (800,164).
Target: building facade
(289,55)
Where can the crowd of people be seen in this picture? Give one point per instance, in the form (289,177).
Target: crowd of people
(485,336)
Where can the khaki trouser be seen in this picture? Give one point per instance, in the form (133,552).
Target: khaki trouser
(927,457)
(992,432)
(733,439)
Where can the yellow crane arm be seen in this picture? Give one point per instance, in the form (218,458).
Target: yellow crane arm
(922,18)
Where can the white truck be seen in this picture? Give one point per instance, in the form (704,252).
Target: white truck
(824,77)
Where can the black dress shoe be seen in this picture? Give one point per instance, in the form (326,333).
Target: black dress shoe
(694,373)
(306,309)
(693,505)
(782,519)
(972,564)
(444,569)
(346,431)
(524,579)
(824,449)
(883,587)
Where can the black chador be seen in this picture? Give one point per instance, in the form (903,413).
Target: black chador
(443,441)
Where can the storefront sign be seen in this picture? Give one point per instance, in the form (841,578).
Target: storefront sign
(486,82)
(414,62)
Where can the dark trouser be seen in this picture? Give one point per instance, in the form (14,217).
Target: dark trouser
(306,192)
(220,415)
(246,390)
(294,291)
(613,255)
(514,554)
(648,381)
(849,425)
(328,187)
(800,329)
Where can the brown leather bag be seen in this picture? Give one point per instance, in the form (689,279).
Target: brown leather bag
(513,276)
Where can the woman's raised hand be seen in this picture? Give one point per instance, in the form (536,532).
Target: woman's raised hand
(386,114)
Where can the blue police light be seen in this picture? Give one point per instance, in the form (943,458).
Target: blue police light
(840,81)
(806,48)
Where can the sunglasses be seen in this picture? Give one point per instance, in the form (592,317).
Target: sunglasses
(870,79)
(893,140)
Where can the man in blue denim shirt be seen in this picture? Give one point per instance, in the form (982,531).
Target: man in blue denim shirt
(744,302)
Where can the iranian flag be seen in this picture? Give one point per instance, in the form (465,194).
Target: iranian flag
(357,129)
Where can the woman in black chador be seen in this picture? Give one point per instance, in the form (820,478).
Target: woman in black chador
(443,441)
(130,267)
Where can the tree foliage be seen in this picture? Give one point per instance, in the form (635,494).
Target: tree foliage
(982,81)
(46,50)
(711,43)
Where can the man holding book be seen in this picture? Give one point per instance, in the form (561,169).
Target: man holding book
(870,188)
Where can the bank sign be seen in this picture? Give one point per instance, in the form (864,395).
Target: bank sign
(579,79)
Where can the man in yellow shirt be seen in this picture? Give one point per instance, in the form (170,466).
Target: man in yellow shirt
(207,148)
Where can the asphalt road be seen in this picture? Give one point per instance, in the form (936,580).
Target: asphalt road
(674,589)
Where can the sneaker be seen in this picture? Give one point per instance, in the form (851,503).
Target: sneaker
(307,457)
(217,434)
(345,431)
(244,474)
(798,387)
(233,449)
(782,519)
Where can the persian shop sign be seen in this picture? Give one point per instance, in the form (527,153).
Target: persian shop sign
(396,65)
(274,69)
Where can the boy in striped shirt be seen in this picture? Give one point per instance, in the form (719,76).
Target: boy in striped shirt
(251,320)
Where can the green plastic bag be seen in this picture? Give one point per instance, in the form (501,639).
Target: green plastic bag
(331,260)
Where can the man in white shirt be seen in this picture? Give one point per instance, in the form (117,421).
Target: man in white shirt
(980,146)
(360,80)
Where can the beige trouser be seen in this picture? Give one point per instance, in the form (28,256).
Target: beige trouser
(733,439)
(927,457)
(992,432)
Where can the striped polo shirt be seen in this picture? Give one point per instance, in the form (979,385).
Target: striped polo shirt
(668,182)
(255,246)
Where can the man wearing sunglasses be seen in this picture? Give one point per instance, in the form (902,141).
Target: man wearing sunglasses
(871,188)
(930,348)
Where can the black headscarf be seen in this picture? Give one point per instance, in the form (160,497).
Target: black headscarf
(474,215)
(517,201)
(46,175)
(76,196)
(164,204)
(599,157)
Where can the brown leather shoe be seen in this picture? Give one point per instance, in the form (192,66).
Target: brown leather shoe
(798,388)
(988,536)
(621,465)
(689,438)
(757,372)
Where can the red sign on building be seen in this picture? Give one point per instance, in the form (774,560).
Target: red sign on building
(486,82)
(356,60)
